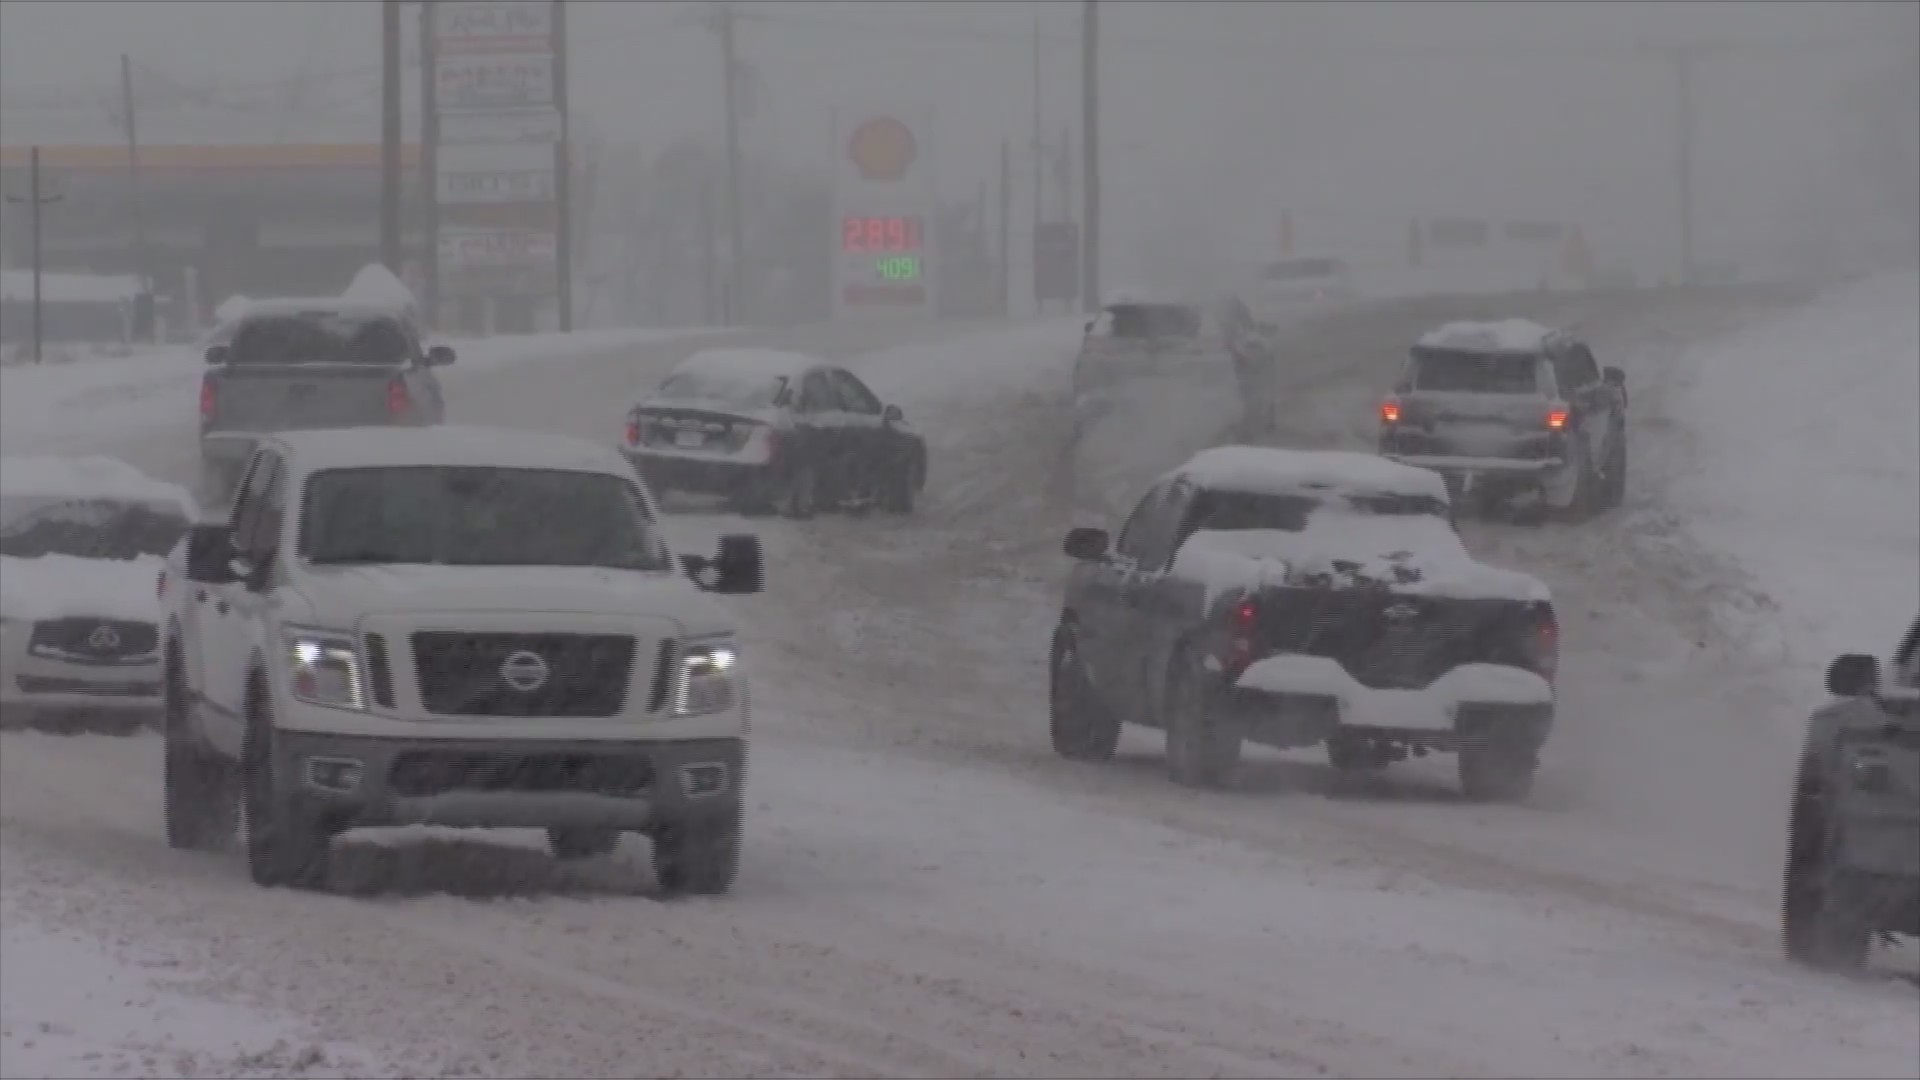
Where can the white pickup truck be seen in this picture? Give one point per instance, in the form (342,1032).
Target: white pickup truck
(452,626)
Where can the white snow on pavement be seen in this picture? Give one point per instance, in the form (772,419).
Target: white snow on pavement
(1806,469)
(75,1007)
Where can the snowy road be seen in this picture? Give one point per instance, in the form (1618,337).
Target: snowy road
(926,891)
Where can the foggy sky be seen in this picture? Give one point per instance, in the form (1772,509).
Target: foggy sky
(1215,116)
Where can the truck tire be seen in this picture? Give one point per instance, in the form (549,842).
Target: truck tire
(698,857)
(903,485)
(582,843)
(199,801)
(1613,486)
(1575,501)
(284,847)
(1498,769)
(1083,728)
(799,493)
(1203,750)
(1821,919)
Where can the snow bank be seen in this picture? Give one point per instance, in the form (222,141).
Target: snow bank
(89,476)
(70,1008)
(45,407)
(1805,468)
(974,366)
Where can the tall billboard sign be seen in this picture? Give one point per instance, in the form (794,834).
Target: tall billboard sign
(499,149)
(884,239)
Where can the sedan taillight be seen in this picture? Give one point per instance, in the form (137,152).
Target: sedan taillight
(209,399)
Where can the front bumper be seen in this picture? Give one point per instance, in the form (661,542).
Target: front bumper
(28,681)
(359,781)
(1465,705)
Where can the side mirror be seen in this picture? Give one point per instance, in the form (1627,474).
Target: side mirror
(1086,545)
(738,568)
(892,414)
(218,354)
(1613,376)
(1089,328)
(440,356)
(1853,675)
(210,555)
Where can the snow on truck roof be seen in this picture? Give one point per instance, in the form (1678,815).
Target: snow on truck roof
(1272,470)
(88,476)
(446,446)
(1506,335)
(332,305)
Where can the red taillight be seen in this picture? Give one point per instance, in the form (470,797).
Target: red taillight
(633,432)
(1557,419)
(1546,648)
(209,397)
(399,402)
(1390,411)
(1240,638)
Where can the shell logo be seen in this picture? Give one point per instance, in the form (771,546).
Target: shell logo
(882,149)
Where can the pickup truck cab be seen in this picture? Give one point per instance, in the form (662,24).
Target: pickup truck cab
(452,626)
(1853,836)
(289,364)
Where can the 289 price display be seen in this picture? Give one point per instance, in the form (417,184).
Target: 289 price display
(879,234)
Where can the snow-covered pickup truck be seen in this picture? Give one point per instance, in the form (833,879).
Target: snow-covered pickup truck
(452,626)
(1299,597)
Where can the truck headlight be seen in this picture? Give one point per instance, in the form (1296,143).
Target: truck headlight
(703,682)
(323,668)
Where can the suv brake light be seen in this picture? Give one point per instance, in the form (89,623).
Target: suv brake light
(399,402)
(1557,418)
(1240,638)
(209,398)
(633,431)
(1390,411)
(1546,647)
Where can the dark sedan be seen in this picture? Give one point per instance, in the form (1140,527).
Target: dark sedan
(775,431)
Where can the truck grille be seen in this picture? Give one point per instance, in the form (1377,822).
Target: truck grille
(561,675)
(1390,641)
(96,641)
(424,773)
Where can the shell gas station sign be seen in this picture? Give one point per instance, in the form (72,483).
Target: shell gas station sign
(883,198)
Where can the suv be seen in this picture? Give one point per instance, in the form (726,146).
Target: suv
(1506,409)
(1853,838)
(1290,598)
(452,626)
(289,364)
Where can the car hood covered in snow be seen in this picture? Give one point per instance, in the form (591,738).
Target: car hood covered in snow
(52,586)
(339,594)
(1413,555)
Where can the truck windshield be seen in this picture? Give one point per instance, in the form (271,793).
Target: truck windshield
(1475,372)
(320,337)
(1233,511)
(478,516)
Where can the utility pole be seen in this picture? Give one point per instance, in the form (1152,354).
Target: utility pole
(563,168)
(36,201)
(140,267)
(1039,149)
(736,258)
(390,135)
(1006,233)
(429,173)
(1090,148)
(1683,57)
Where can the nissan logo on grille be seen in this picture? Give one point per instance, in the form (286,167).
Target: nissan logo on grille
(104,638)
(523,670)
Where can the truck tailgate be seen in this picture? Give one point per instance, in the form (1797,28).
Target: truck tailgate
(286,397)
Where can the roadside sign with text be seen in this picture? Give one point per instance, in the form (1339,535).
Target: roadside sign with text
(492,81)
(540,125)
(464,250)
(495,173)
(492,26)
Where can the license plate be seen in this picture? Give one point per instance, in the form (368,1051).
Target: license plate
(689,438)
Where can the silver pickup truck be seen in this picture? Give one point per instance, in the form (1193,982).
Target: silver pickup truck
(294,364)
